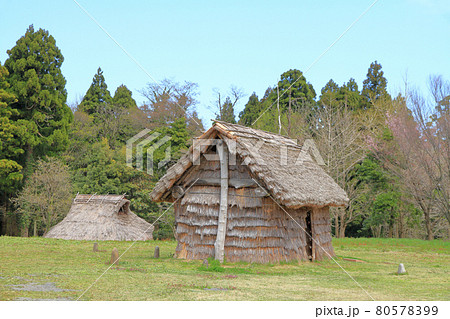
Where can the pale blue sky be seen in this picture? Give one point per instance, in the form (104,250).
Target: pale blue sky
(245,43)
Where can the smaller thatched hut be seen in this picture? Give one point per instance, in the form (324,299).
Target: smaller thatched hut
(101,217)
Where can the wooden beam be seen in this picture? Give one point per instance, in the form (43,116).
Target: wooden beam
(232,182)
(224,131)
(178,191)
(219,245)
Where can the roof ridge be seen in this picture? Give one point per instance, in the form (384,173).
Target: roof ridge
(246,128)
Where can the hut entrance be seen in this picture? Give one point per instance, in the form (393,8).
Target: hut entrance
(308,230)
(123,209)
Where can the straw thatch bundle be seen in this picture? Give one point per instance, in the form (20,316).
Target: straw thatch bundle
(276,202)
(101,217)
(294,179)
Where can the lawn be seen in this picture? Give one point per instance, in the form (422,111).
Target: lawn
(40,268)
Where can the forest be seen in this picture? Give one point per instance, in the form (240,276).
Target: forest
(391,154)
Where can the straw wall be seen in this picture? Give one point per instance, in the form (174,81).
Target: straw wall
(197,213)
(258,230)
(321,229)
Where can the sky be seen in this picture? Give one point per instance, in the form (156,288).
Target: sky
(248,44)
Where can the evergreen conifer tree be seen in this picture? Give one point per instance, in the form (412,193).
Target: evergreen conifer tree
(97,95)
(35,78)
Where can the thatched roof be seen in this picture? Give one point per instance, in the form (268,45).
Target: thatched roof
(101,217)
(291,176)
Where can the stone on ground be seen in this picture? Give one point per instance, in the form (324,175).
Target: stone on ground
(401,269)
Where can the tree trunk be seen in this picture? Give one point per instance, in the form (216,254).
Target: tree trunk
(34,229)
(430,235)
(376,231)
(343,223)
(336,225)
(219,245)
(342,228)
(400,225)
(390,231)
(24,231)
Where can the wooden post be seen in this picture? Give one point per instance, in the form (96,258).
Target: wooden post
(289,113)
(278,107)
(219,245)
(156,254)
(114,256)
(315,213)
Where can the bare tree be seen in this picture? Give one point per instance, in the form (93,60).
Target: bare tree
(111,121)
(420,152)
(75,103)
(407,158)
(440,90)
(336,131)
(170,100)
(342,147)
(223,106)
(433,120)
(46,197)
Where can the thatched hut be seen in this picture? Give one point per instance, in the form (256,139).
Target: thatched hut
(243,194)
(101,217)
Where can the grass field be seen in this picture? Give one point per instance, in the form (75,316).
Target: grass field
(39,268)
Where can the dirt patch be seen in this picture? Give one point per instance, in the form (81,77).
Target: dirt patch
(45,287)
(31,299)
(16,278)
